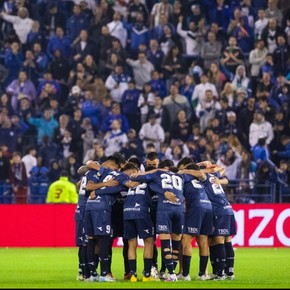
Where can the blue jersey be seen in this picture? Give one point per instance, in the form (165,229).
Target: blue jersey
(217,196)
(137,203)
(105,195)
(162,181)
(195,195)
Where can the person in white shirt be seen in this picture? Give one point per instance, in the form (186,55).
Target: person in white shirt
(29,159)
(158,9)
(260,24)
(21,23)
(152,132)
(193,38)
(115,139)
(206,110)
(200,89)
(117,29)
(117,83)
(260,127)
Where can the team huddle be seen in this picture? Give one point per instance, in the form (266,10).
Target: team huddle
(123,198)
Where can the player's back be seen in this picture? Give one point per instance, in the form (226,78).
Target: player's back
(61,191)
(217,196)
(162,181)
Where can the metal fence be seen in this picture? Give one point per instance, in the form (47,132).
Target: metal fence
(237,191)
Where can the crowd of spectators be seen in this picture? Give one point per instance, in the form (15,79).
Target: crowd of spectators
(83,79)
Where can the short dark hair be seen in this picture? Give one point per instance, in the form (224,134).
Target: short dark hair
(192,166)
(130,166)
(120,158)
(152,155)
(184,161)
(166,163)
(134,160)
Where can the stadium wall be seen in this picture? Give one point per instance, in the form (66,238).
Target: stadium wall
(52,225)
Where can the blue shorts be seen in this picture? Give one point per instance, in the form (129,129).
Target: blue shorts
(198,221)
(117,220)
(79,217)
(141,227)
(98,223)
(224,225)
(169,222)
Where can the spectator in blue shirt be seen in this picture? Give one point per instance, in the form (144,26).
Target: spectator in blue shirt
(59,41)
(76,23)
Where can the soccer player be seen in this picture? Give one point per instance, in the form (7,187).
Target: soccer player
(152,161)
(221,250)
(137,222)
(170,214)
(198,223)
(99,206)
(81,241)
(98,216)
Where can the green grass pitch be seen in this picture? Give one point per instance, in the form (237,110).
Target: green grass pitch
(57,268)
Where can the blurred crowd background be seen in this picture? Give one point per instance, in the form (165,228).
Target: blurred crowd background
(83,79)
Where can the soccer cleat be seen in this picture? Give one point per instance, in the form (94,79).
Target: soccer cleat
(133,278)
(92,279)
(230,277)
(163,275)
(203,277)
(184,278)
(219,278)
(150,279)
(127,276)
(107,278)
(80,277)
(212,276)
(154,272)
(171,278)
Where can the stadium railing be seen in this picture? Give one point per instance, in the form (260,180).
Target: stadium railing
(237,191)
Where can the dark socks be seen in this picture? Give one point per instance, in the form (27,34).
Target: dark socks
(166,251)
(147,267)
(132,266)
(185,265)
(175,252)
(230,254)
(220,259)
(91,257)
(202,265)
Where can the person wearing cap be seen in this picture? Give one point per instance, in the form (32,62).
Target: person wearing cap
(231,126)
(258,127)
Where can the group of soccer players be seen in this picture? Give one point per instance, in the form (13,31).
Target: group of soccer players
(123,198)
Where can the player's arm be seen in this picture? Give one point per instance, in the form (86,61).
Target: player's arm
(205,163)
(93,186)
(93,165)
(78,185)
(196,173)
(110,190)
(131,184)
(221,181)
(171,196)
